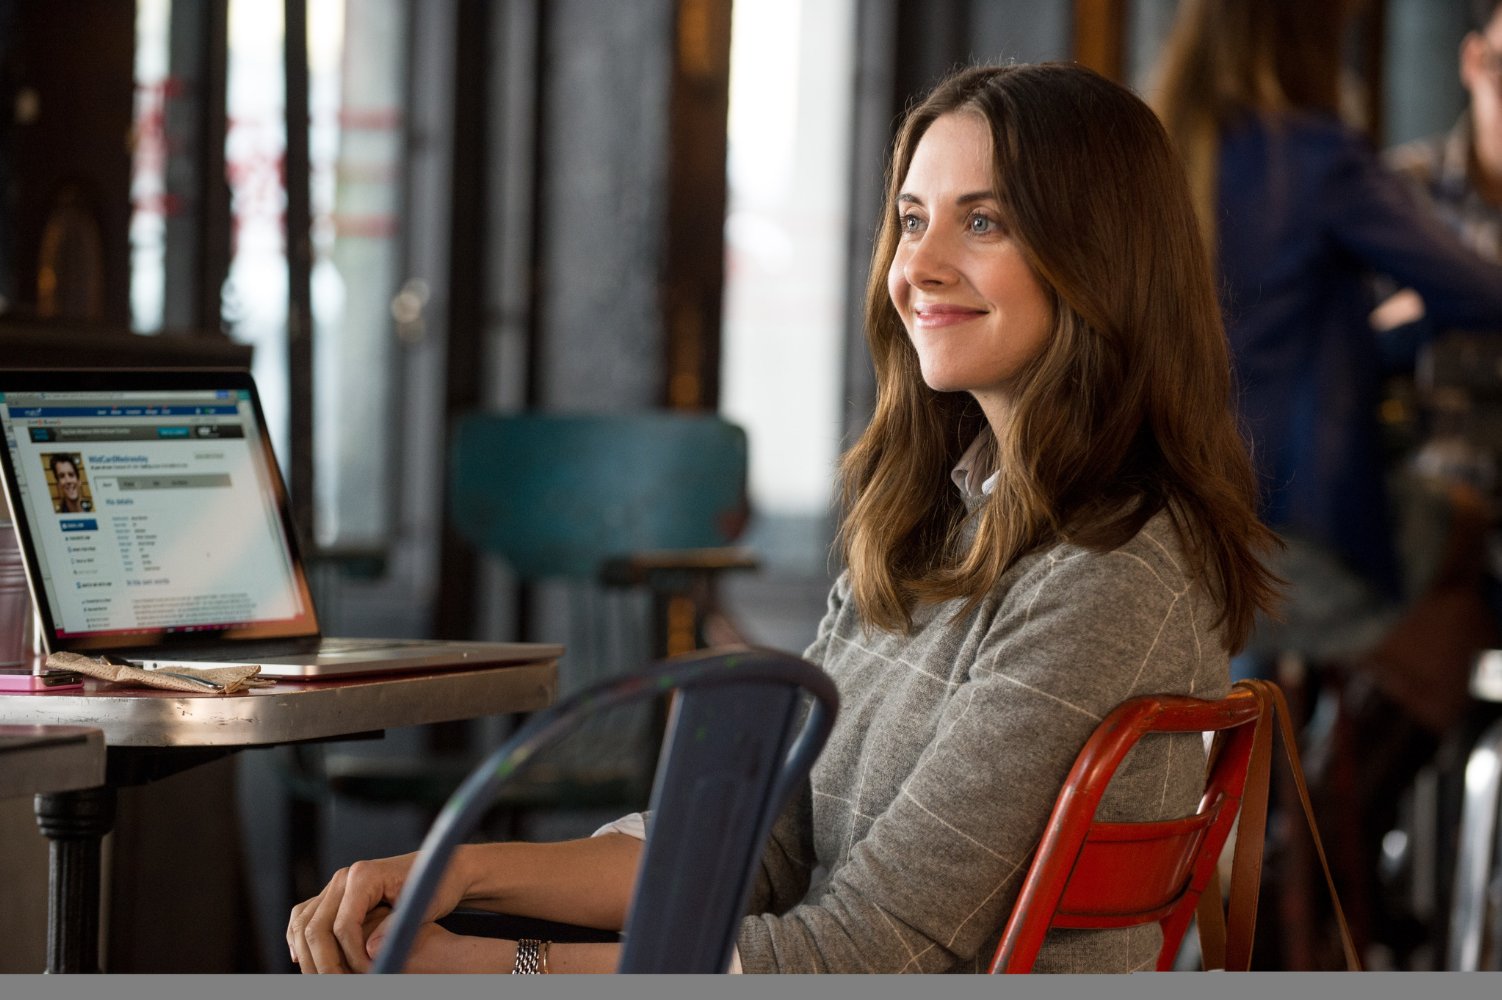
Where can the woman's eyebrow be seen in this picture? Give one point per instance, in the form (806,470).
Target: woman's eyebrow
(964,199)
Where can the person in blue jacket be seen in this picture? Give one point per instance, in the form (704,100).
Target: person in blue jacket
(1301,215)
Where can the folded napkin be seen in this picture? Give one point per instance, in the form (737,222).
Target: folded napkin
(198,680)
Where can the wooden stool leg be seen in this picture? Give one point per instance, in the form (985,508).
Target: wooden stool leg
(1296,888)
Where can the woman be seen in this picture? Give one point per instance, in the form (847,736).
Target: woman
(1050,512)
(1301,216)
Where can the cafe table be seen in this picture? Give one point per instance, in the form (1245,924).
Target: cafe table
(150,734)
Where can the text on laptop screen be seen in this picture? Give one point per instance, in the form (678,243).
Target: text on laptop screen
(152,512)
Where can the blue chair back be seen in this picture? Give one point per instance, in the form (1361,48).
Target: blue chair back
(732,758)
(556,495)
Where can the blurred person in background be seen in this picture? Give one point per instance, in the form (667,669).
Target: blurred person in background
(1303,219)
(1461,170)
(1301,214)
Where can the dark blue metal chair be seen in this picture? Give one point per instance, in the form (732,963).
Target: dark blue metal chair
(733,755)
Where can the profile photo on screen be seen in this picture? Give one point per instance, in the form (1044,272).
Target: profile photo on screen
(68,483)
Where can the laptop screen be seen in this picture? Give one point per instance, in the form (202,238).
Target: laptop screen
(150,509)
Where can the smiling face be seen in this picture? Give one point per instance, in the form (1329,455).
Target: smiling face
(972,307)
(66,475)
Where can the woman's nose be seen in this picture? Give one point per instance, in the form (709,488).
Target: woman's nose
(930,261)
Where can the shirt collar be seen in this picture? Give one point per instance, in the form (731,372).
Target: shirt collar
(967,475)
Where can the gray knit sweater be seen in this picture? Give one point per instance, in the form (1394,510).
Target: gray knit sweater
(951,744)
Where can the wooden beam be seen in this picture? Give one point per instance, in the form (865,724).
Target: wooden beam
(693,268)
(1100,35)
(299,220)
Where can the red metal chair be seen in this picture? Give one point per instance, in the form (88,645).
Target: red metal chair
(1097,875)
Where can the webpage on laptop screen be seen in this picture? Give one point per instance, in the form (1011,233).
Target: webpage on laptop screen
(150,511)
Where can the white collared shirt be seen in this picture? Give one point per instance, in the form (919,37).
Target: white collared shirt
(966,474)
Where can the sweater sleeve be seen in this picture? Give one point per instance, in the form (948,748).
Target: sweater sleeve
(1381,221)
(933,876)
(838,595)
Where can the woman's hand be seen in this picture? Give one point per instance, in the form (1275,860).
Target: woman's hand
(584,881)
(329,932)
(435,950)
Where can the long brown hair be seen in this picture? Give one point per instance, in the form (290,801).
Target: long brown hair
(1226,59)
(1124,413)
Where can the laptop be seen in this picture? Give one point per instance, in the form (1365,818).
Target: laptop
(154,527)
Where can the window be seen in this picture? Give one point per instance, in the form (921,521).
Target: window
(790,110)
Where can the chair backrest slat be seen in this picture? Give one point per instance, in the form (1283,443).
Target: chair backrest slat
(1096,875)
(557,494)
(713,757)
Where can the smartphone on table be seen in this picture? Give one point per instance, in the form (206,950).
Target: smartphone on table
(26,679)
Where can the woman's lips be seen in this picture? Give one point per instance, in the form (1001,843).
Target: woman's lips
(935,316)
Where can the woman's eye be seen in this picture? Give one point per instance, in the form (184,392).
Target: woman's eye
(907,222)
(983,224)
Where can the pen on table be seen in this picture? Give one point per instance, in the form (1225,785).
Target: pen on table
(122,662)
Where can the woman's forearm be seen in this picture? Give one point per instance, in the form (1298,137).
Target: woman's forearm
(582,958)
(437,951)
(586,882)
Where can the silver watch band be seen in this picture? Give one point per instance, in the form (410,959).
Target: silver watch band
(527,960)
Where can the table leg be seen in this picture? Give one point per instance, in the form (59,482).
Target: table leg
(74,823)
